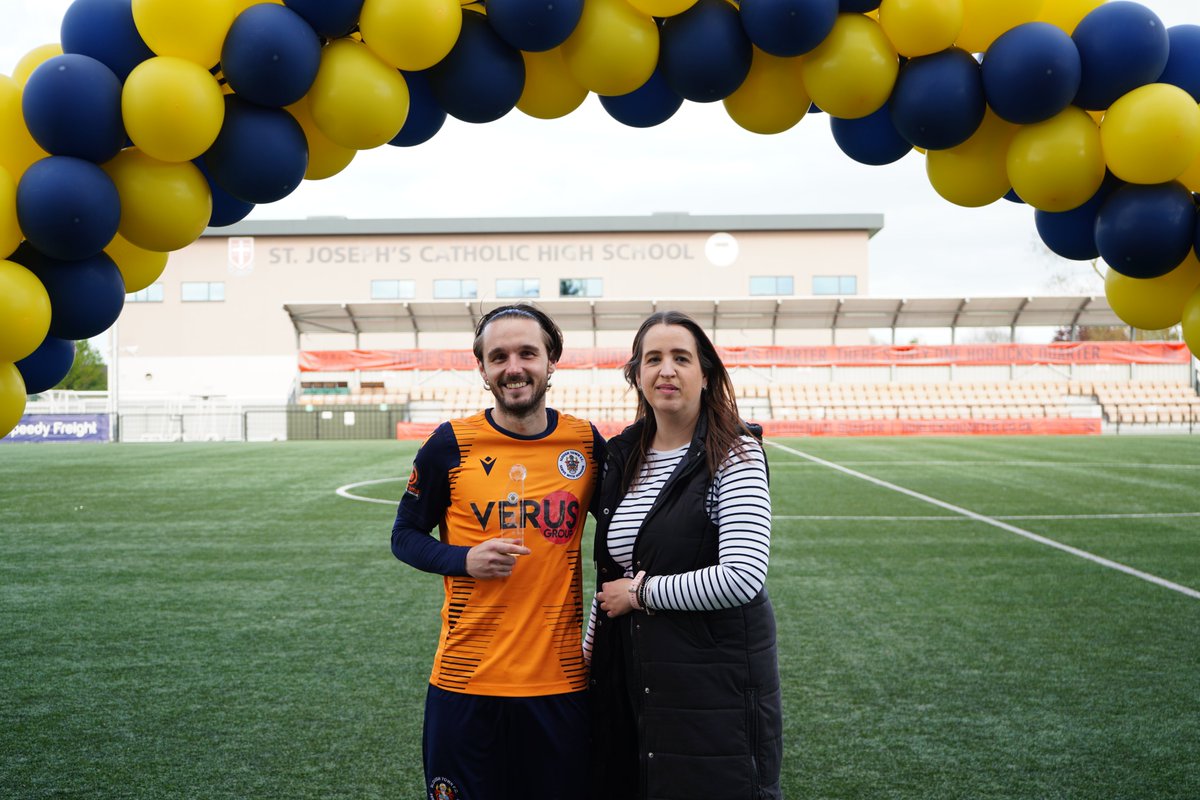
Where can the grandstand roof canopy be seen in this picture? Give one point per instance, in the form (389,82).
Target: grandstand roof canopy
(757,313)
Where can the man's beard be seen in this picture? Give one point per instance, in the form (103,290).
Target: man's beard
(523,408)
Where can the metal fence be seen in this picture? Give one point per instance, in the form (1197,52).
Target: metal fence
(259,424)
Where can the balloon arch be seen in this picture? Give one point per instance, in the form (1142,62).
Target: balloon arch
(155,119)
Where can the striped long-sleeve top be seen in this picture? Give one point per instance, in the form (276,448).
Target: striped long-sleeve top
(739,503)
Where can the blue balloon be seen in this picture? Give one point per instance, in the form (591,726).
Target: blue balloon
(260,155)
(1183,62)
(704,52)
(45,367)
(534,25)
(425,117)
(872,139)
(333,19)
(270,56)
(858,6)
(1072,234)
(86,296)
(652,103)
(482,77)
(226,209)
(1143,231)
(72,107)
(1196,244)
(67,208)
(1012,197)
(938,101)
(1031,73)
(1122,45)
(788,27)
(104,30)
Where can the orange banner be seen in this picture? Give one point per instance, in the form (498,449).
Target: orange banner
(844,356)
(933,427)
(866,427)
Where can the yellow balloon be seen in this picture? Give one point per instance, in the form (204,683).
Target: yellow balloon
(17,148)
(614,48)
(1191,176)
(24,312)
(173,108)
(241,5)
(164,206)
(1058,164)
(550,92)
(194,30)
(975,173)
(139,267)
(921,27)
(1151,134)
(1152,304)
(12,398)
(985,20)
(326,157)
(851,73)
(772,99)
(10,229)
(662,8)
(1066,14)
(34,59)
(1191,322)
(410,34)
(357,100)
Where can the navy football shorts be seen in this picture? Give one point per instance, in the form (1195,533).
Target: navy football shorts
(505,748)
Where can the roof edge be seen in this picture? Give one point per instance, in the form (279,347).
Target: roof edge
(650,223)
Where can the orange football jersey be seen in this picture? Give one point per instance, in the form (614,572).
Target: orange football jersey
(518,636)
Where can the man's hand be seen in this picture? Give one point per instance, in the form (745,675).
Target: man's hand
(494,558)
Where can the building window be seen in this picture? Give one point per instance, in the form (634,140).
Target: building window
(835,284)
(151,294)
(581,287)
(393,290)
(455,289)
(771,285)
(518,287)
(203,292)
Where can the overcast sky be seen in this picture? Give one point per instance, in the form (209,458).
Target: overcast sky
(698,162)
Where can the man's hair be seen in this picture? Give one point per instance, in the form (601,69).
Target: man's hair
(551,332)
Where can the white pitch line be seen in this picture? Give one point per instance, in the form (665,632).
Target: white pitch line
(1104,562)
(344,491)
(1023,464)
(944,518)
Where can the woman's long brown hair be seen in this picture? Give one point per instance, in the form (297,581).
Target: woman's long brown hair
(717,403)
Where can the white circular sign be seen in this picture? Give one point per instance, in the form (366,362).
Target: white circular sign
(721,249)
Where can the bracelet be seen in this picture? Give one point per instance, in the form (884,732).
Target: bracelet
(641,596)
(635,590)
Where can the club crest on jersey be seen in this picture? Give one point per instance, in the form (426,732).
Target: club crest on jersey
(571,464)
(412,488)
(443,789)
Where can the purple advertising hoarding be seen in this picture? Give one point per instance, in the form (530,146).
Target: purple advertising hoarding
(60,428)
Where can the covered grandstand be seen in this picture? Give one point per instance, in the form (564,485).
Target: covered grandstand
(1064,388)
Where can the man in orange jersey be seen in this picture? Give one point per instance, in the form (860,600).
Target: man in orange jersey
(508,490)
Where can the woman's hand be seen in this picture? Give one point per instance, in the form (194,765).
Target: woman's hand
(614,597)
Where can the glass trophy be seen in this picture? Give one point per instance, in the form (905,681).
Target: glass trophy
(515,497)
